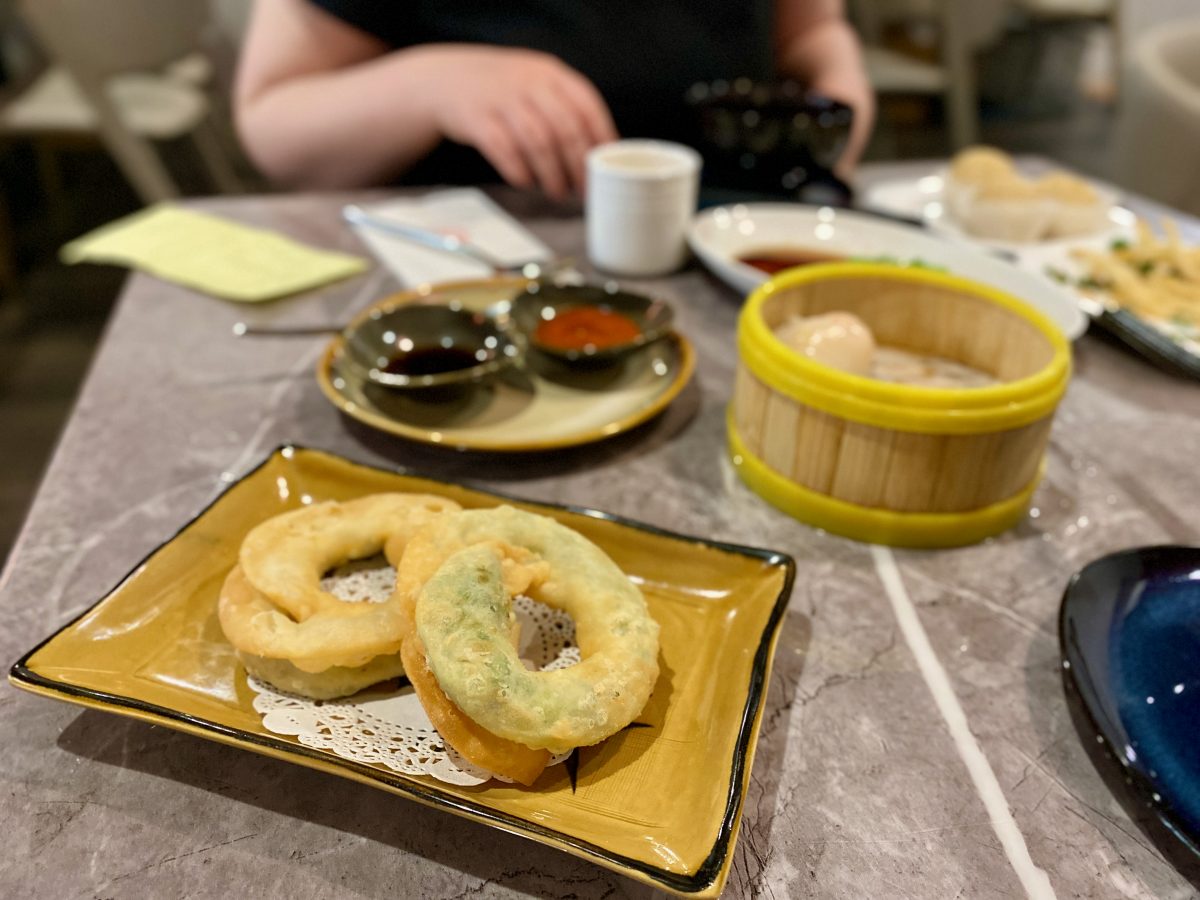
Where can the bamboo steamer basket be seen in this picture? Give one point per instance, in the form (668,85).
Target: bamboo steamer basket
(889,463)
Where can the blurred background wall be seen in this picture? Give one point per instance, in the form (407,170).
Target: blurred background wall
(107,105)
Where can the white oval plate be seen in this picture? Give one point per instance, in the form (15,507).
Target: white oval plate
(718,236)
(921,198)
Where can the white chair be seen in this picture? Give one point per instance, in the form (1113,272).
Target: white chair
(1106,52)
(131,72)
(961,30)
(1158,124)
(1136,17)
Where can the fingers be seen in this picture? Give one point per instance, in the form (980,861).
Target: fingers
(535,122)
(571,133)
(591,122)
(556,126)
(590,107)
(499,147)
(540,146)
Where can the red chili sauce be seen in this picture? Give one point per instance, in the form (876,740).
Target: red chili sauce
(579,327)
(773,261)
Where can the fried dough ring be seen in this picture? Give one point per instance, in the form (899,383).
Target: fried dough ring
(347,638)
(486,750)
(460,573)
(508,758)
(294,619)
(336,681)
(286,556)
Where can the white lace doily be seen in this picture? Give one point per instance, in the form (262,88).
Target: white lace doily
(391,729)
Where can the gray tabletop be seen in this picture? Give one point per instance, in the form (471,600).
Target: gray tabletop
(867,782)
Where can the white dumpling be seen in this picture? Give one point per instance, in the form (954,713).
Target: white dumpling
(839,340)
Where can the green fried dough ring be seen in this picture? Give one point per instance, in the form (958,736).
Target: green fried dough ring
(286,556)
(462,615)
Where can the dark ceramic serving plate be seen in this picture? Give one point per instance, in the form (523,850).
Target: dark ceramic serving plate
(1148,341)
(152,649)
(1129,632)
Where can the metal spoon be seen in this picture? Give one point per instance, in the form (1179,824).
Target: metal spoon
(497,311)
(241,329)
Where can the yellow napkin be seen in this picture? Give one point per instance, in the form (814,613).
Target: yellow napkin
(211,254)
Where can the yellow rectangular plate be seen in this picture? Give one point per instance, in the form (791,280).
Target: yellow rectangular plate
(660,803)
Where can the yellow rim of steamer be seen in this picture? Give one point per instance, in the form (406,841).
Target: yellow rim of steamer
(873,525)
(896,406)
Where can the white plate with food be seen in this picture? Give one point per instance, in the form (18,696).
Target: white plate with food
(984,197)
(1145,290)
(744,244)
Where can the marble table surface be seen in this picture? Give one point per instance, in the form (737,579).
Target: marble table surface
(866,783)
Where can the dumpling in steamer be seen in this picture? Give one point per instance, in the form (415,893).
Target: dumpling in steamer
(839,340)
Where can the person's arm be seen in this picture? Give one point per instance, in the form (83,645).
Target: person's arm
(815,44)
(321,103)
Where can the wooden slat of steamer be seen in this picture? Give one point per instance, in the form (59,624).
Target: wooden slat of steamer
(979,470)
(862,464)
(862,473)
(749,408)
(781,431)
(914,468)
(804,443)
(815,455)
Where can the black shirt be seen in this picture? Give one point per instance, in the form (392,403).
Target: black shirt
(642,55)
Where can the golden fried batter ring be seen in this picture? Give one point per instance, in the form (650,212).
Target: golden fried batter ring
(348,638)
(462,571)
(311,629)
(286,556)
(508,758)
(486,750)
(336,681)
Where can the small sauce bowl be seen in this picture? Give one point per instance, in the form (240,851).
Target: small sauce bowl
(424,345)
(598,323)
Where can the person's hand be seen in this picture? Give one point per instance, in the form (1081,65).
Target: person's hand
(531,115)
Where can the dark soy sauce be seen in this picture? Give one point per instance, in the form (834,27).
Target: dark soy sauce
(433,360)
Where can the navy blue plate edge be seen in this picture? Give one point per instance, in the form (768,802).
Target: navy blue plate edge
(1149,342)
(1128,784)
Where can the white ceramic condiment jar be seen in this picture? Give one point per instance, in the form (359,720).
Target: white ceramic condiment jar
(641,196)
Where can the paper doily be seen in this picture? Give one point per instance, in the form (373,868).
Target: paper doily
(390,728)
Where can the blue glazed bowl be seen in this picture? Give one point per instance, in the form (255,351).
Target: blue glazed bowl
(1129,633)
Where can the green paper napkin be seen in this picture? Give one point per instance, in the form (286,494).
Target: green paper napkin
(212,254)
